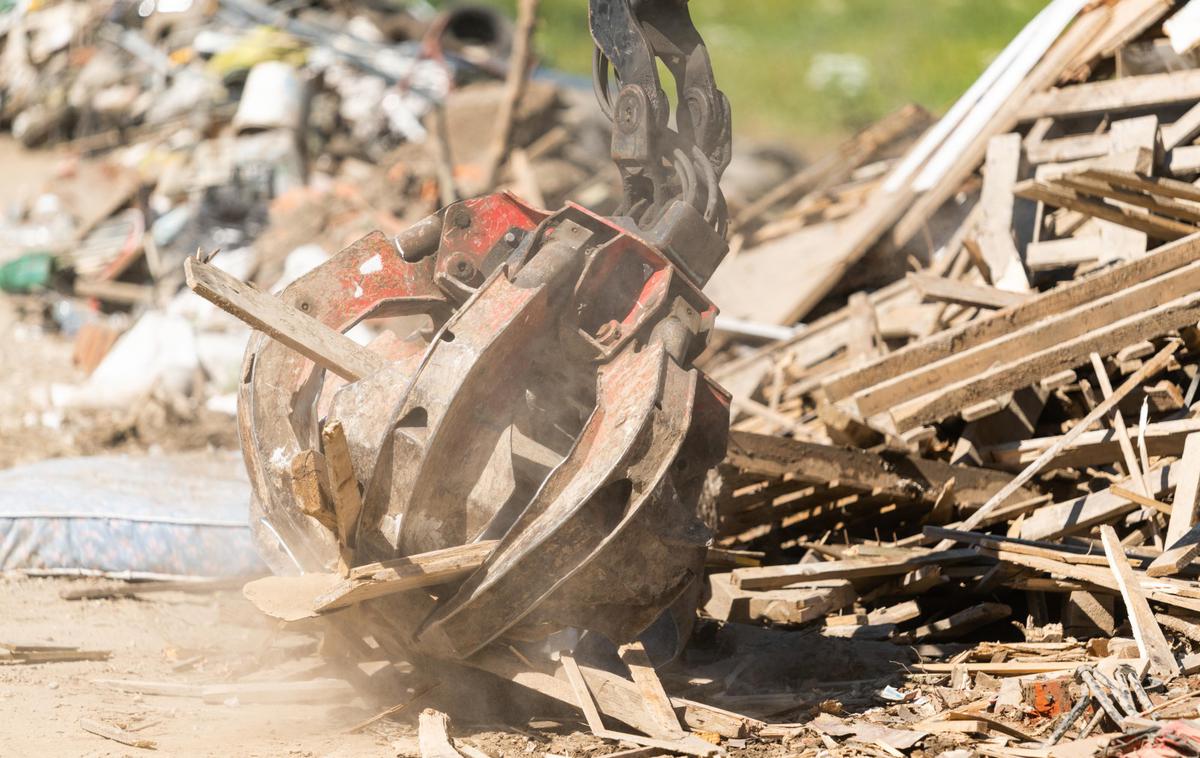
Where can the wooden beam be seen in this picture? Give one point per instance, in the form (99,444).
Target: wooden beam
(997,240)
(583,697)
(1153,366)
(1133,469)
(1006,668)
(310,487)
(1048,255)
(1050,550)
(432,736)
(1003,118)
(942,290)
(1152,643)
(1073,148)
(1102,188)
(1061,196)
(1155,185)
(658,705)
(776,577)
(789,607)
(1187,494)
(1179,556)
(326,347)
(1025,358)
(1114,96)
(895,475)
(1082,513)
(615,696)
(1094,448)
(1097,576)
(375,580)
(343,486)
(1185,129)
(1061,299)
(964,622)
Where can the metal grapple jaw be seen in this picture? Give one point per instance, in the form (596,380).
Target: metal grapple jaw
(551,407)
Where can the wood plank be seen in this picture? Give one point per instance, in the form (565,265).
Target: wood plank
(326,347)
(1100,188)
(942,290)
(1184,160)
(1088,325)
(1059,300)
(789,607)
(812,344)
(1048,255)
(615,696)
(1179,556)
(1097,577)
(1183,131)
(1006,668)
(375,580)
(1059,195)
(310,487)
(1050,550)
(776,577)
(1094,448)
(584,699)
(1072,148)
(1155,364)
(284,692)
(1133,469)
(1002,169)
(1030,368)
(895,475)
(1113,96)
(895,614)
(1152,643)
(433,737)
(1129,19)
(1187,494)
(658,705)
(343,486)
(1084,512)
(1155,185)
(955,162)
(116,734)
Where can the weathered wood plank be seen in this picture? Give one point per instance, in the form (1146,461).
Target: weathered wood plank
(1151,641)
(903,477)
(1058,300)
(997,239)
(943,290)
(326,347)
(401,574)
(776,577)
(1137,313)
(1082,513)
(1113,96)
(1151,367)
(1060,195)
(1028,370)
(1094,448)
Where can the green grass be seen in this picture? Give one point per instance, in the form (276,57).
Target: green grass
(924,51)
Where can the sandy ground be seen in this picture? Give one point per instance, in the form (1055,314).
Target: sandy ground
(42,704)
(209,638)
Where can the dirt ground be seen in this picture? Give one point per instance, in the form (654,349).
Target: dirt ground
(184,638)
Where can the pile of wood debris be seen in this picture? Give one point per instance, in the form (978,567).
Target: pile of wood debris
(1001,444)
